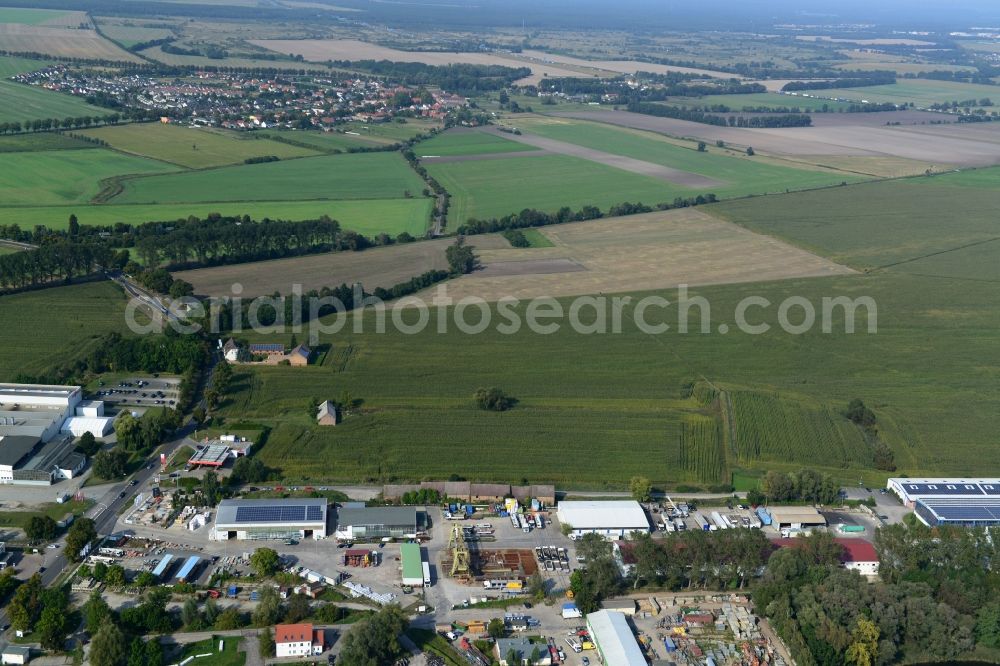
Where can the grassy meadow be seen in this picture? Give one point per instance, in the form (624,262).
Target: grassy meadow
(743,175)
(191,147)
(491,188)
(65,176)
(359,176)
(921,92)
(468,143)
(368,216)
(26,16)
(51,325)
(769,100)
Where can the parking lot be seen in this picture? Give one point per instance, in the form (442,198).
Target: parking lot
(140,392)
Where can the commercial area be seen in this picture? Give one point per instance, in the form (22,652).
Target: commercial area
(610,519)
(38,425)
(357,522)
(950,501)
(262,519)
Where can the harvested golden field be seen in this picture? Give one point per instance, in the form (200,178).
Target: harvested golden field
(322,50)
(61,42)
(620,66)
(641,252)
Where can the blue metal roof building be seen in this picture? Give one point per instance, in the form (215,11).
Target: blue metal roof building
(189,566)
(965,512)
(161,568)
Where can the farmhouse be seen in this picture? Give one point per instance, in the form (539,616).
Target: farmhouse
(327,414)
(259,519)
(610,519)
(614,640)
(298,640)
(300,355)
(356,522)
(231,351)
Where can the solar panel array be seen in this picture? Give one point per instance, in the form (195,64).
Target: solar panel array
(985,510)
(295,513)
(951,489)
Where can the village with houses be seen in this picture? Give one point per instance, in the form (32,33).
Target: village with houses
(244,101)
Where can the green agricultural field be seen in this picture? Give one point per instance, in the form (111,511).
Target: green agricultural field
(618,412)
(130,35)
(327,142)
(743,175)
(595,409)
(468,143)
(921,92)
(771,428)
(536,238)
(25,16)
(770,100)
(359,176)
(26,143)
(10,65)
(54,324)
(65,176)
(20,102)
(192,147)
(491,188)
(880,224)
(394,131)
(368,217)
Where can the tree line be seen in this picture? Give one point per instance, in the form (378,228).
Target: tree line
(56,262)
(697,116)
(530,217)
(875,78)
(47,124)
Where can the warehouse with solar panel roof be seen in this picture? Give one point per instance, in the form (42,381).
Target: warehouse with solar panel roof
(954,501)
(270,519)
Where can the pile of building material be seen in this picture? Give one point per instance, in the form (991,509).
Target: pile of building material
(357,590)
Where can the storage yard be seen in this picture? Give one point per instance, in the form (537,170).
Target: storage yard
(473,562)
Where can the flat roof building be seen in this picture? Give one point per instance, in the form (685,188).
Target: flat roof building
(412,564)
(796,517)
(614,639)
(963,502)
(611,519)
(260,519)
(911,490)
(356,522)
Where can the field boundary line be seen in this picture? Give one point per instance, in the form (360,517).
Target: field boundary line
(939,252)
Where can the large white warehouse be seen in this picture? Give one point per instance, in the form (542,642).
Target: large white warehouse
(260,519)
(611,519)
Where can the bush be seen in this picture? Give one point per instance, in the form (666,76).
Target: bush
(494,400)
